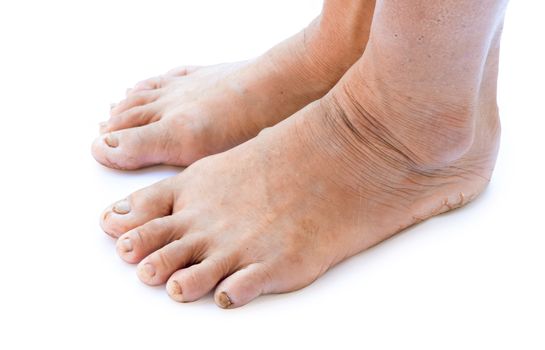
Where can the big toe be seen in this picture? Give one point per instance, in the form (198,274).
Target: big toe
(152,202)
(133,148)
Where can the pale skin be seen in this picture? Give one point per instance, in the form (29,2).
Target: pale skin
(411,130)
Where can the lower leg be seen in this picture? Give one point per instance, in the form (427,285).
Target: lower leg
(338,37)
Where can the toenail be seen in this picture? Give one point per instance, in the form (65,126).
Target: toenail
(174,289)
(102,127)
(148,271)
(111,140)
(224,300)
(112,105)
(126,245)
(122,207)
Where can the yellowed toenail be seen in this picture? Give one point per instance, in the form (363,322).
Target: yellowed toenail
(224,300)
(148,271)
(122,207)
(102,127)
(174,289)
(126,245)
(111,140)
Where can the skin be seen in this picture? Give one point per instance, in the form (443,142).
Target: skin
(191,112)
(400,138)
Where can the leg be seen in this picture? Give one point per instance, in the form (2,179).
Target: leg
(192,112)
(339,176)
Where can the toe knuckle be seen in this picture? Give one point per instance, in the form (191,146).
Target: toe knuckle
(191,280)
(139,238)
(163,260)
(221,266)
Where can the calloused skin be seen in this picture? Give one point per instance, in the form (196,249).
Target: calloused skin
(367,160)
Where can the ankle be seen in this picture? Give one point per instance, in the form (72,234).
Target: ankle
(425,130)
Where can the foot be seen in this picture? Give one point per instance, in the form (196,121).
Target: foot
(192,112)
(276,212)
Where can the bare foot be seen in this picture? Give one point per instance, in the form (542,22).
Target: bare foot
(276,212)
(192,112)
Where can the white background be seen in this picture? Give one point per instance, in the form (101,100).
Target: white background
(472,279)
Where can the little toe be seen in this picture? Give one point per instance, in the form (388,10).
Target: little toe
(197,280)
(140,242)
(161,264)
(242,287)
(133,148)
(140,207)
(133,117)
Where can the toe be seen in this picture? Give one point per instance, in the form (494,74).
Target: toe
(133,117)
(133,99)
(196,281)
(151,83)
(133,148)
(242,286)
(140,242)
(161,264)
(140,207)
